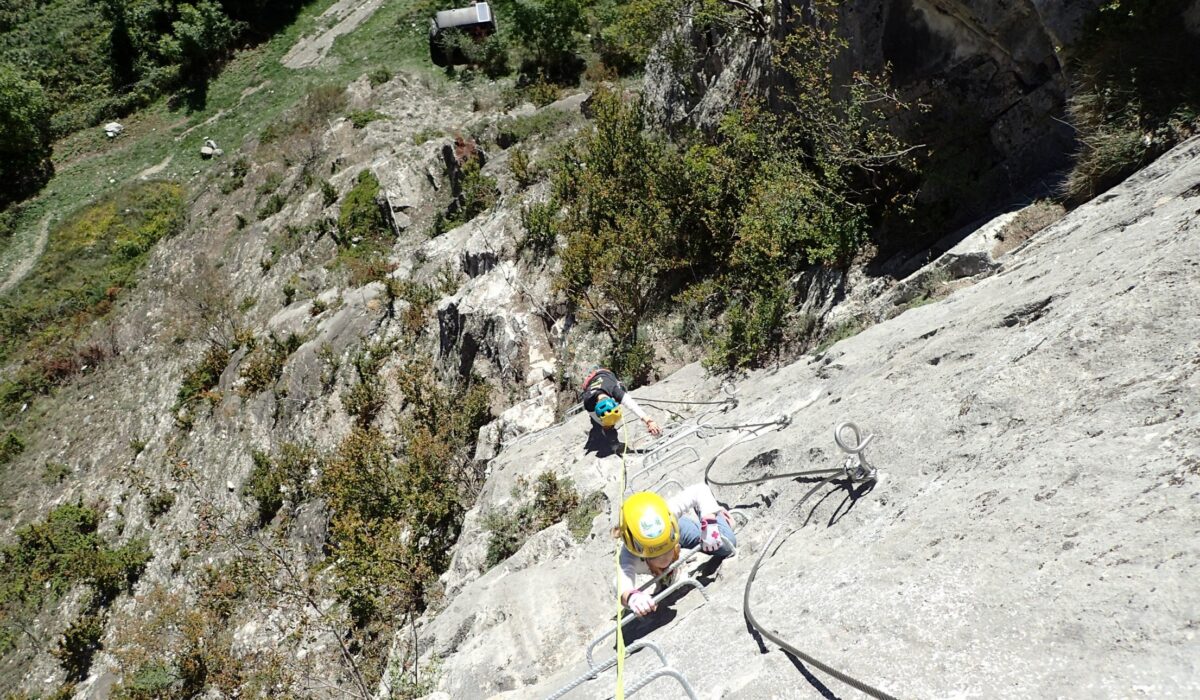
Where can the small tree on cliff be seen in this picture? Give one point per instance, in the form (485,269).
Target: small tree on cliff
(24,136)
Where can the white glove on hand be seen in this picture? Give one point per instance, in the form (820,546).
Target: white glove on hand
(640,603)
(710,536)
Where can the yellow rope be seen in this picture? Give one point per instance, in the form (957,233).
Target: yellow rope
(620,694)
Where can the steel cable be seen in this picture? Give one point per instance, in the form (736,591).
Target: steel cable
(783,644)
(708,479)
(831,476)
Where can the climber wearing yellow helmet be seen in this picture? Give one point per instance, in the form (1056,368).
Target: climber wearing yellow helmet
(603,395)
(654,531)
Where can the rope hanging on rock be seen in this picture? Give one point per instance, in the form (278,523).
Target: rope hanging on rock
(854,469)
(620,694)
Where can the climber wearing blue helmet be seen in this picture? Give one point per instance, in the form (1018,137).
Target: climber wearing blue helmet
(603,396)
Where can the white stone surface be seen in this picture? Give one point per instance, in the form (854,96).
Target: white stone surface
(1034,531)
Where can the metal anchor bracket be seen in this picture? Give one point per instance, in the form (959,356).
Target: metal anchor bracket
(856,466)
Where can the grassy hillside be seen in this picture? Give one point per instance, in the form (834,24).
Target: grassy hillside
(252,91)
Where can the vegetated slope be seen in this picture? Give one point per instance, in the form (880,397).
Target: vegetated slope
(277,361)
(1030,534)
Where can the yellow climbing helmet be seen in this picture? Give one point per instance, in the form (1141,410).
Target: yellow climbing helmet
(648,526)
(608,412)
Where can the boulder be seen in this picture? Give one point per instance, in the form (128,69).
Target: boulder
(210,149)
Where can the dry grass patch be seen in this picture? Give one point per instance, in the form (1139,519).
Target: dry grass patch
(1028,222)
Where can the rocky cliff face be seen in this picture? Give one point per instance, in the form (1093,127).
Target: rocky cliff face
(992,74)
(1030,534)
(274,277)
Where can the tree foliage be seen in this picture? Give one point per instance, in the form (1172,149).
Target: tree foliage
(24,135)
(729,218)
(397,507)
(48,558)
(98,59)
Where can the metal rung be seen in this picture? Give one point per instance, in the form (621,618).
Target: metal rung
(661,451)
(681,457)
(601,668)
(687,582)
(655,675)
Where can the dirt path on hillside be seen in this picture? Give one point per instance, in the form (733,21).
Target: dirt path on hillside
(310,50)
(155,169)
(222,112)
(23,267)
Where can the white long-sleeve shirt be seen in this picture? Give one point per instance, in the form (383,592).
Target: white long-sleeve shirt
(628,402)
(694,501)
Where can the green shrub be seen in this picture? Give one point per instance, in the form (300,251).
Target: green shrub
(630,30)
(150,682)
(523,171)
(753,331)
(364,236)
(236,177)
(514,130)
(10,219)
(51,556)
(379,75)
(272,481)
(846,329)
(427,134)
(554,500)
(634,361)
(478,192)
(360,118)
(10,447)
(200,380)
(547,34)
(319,105)
(264,365)
(644,216)
(621,221)
(539,221)
(419,298)
(366,398)
(160,504)
(271,183)
(91,258)
(365,264)
(55,472)
(397,508)
(1134,93)
(25,144)
(272,206)
(488,56)
(79,644)
(542,92)
(361,218)
(329,193)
